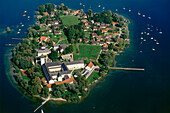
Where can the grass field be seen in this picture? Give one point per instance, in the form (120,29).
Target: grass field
(94,76)
(70,20)
(86,51)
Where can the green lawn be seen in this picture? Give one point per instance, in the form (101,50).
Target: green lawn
(94,76)
(70,20)
(87,51)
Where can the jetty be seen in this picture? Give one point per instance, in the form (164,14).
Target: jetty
(10,44)
(17,38)
(127,69)
(43,103)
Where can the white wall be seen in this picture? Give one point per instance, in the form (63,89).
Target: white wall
(55,68)
(75,66)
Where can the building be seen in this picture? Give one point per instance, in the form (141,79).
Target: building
(43,51)
(57,71)
(90,66)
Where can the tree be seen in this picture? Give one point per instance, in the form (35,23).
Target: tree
(69,49)
(53,55)
(37,27)
(89,12)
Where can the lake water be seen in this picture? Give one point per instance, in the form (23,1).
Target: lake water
(121,91)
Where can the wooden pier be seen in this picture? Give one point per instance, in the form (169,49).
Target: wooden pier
(127,69)
(43,103)
(17,38)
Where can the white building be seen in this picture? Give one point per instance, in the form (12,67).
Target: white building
(43,51)
(90,66)
(57,71)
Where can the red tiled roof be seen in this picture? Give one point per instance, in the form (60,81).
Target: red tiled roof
(105,45)
(65,81)
(47,40)
(90,65)
(43,38)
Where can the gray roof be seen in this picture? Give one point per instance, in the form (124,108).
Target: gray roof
(43,50)
(64,72)
(46,73)
(74,62)
(53,63)
(63,46)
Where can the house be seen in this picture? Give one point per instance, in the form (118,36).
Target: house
(102,26)
(97,23)
(105,47)
(43,52)
(85,16)
(92,21)
(56,46)
(76,12)
(56,32)
(86,39)
(116,33)
(86,23)
(65,12)
(67,56)
(94,35)
(62,47)
(94,28)
(39,16)
(85,29)
(56,22)
(52,14)
(84,20)
(101,43)
(90,66)
(44,38)
(50,30)
(44,46)
(104,30)
(115,23)
(95,42)
(79,39)
(45,13)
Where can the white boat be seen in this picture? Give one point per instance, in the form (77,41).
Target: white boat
(155,40)
(141,38)
(152,38)
(143,15)
(116,9)
(148,28)
(80,3)
(25,11)
(141,33)
(149,17)
(157,43)
(144,40)
(124,8)
(129,10)
(153,49)
(103,7)
(99,5)
(160,32)
(147,34)
(139,13)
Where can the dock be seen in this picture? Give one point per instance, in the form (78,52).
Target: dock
(127,69)
(17,38)
(10,44)
(43,103)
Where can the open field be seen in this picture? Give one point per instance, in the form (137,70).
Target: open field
(86,52)
(70,20)
(94,76)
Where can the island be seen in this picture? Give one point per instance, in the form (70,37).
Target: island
(66,51)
